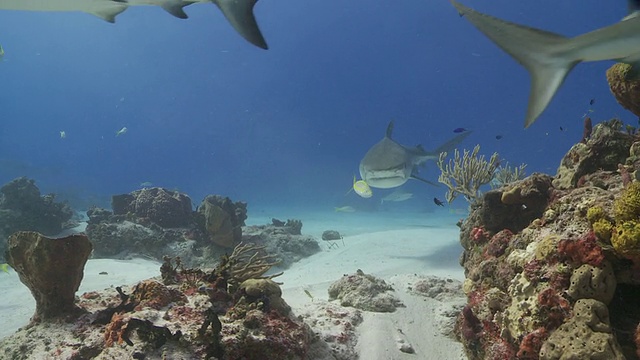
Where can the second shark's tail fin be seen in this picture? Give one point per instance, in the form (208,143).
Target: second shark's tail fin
(542,53)
(240,14)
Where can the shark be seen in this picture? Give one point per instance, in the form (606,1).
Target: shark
(239,13)
(389,164)
(550,57)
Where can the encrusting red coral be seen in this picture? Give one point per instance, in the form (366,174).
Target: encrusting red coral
(115,329)
(531,344)
(498,243)
(585,250)
(553,308)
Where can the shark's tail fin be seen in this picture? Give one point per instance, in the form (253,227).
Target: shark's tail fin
(240,14)
(542,53)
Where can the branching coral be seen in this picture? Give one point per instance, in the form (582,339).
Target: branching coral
(466,173)
(248,261)
(507,174)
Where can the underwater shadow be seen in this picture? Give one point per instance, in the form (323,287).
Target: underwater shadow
(445,257)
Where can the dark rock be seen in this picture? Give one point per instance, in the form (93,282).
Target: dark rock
(331,235)
(51,268)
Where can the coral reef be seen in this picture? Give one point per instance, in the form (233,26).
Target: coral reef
(165,208)
(51,268)
(138,227)
(200,315)
(23,208)
(365,292)
(553,264)
(284,242)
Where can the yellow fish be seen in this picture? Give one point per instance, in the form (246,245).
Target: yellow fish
(4,267)
(362,188)
(347,209)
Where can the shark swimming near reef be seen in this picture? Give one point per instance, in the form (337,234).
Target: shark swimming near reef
(239,13)
(549,57)
(389,164)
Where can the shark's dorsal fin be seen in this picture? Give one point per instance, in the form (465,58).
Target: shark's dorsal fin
(240,14)
(175,8)
(109,15)
(389,129)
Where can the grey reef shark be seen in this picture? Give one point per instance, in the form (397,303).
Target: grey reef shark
(550,57)
(239,13)
(389,164)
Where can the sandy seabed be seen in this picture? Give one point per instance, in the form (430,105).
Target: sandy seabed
(399,247)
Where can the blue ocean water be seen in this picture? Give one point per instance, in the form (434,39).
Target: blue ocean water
(208,113)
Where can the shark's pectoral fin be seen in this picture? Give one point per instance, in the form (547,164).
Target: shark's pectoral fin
(240,14)
(175,8)
(109,14)
(424,180)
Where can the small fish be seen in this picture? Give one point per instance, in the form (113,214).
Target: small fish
(438,201)
(63,134)
(346,209)
(397,196)
(308,294)
(1,52)
(362,188)
(592,101)
(4,267)
(459,130)
(498,137)
(103,273)
(122,131)
(561,128)
(146,184)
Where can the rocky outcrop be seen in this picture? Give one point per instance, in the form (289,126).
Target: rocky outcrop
(552,264)
(23,208)
(165,208)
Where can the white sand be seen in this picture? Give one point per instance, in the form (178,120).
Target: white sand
(397,247)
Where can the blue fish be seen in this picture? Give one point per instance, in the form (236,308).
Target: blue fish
(459,130)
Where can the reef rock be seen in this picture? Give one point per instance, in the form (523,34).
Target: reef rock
(51,268)
(168,209)
(365,292)
(625,86)
(284,241)
(23,208)
(607,147)
(223,220)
